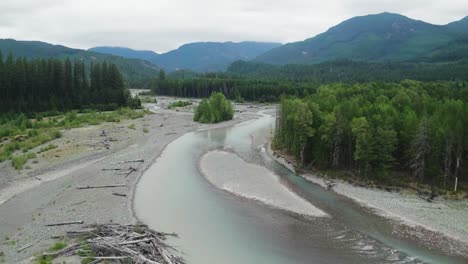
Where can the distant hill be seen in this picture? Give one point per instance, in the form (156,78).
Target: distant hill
(380,37)
(199,56)
(133,70)
(351,71)
(459,27)
(127,53)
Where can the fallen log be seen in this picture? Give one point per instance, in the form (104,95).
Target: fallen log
(119,194)
(80,222)
(130,171)
(132,161)
(29,245)
(100,186)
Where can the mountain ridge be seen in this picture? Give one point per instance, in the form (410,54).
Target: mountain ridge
(376,37)
(200,56)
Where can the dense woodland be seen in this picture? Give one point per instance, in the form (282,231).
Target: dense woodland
(53,84)
(349,71)
(380,130)
(233,88)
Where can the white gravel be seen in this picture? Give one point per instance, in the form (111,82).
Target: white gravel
(227,171)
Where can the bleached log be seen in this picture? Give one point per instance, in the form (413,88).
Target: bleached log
(80,222)
(100,186)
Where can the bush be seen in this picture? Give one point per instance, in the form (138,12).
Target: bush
(179,104)
(58,246)
(19,161)
(214,110)
(49,147)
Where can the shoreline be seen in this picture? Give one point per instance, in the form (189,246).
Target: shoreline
(397,208)
(56,199)
(154,160)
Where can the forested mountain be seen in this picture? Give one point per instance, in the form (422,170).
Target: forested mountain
(199,56)
(133,70)
(380,37)
(127,53)
(460,27)
(357,71)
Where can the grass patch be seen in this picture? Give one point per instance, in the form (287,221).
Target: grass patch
(19,161)
(179,104)
(19,133)
(44,260)
(49,147)
(87,254)
(131,126)
(58,246)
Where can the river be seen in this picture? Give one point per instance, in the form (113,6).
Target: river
(216,226)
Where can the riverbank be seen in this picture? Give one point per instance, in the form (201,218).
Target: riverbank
(442,224)
(48,193)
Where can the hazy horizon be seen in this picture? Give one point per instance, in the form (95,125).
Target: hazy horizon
(163,25)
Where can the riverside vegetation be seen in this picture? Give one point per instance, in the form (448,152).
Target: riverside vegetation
(395,132)
(214,110)
(391,133)
(40,97)
(20,134)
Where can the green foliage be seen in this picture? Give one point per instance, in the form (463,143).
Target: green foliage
(53,84)
(214,110)
(349,71)
(21,133)
(44,260)
(19,161)
(58,246)
(176,104)
(133,70)
(145,130)
(378,129)
(232,87)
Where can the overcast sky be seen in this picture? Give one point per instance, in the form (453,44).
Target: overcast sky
(162,25)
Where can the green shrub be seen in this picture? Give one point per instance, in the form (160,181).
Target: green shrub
(145,130)
(214,110)
(58,246)
(44,260)
(19,161)
(179,104)
(56,134)
(49,147)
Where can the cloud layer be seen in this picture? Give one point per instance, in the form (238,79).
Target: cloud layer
(162,25)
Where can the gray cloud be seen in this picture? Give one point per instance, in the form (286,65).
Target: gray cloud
(162,25)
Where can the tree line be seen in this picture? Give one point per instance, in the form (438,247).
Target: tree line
(380,130)
(53,84)
(233,88)
(349,71)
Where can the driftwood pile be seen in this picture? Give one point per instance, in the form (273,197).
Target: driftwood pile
(120,244)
